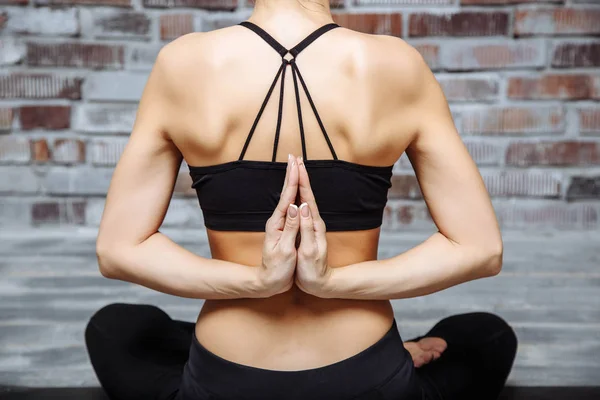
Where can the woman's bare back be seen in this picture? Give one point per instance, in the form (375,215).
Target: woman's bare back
(220,80)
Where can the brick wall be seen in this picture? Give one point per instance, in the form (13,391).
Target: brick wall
(522,78)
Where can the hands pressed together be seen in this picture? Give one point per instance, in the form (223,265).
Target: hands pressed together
(287,260)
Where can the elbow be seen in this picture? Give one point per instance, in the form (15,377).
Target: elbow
(493,260)
(106,255)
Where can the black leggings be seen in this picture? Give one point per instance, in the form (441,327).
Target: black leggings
(139,352)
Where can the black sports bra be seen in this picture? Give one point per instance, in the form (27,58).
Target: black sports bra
(241,195)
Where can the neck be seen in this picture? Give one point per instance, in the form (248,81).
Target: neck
(285,13)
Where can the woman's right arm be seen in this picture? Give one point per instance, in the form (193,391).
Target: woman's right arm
(130,246)
(468,243)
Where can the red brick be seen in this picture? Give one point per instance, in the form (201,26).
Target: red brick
(46,117)
(589,121)
(3,19)
(45,212)
(80,55)
(61,211)
(462,56)
(175,25)
(574,55)
(584,188)
(556,216)
(109,3)
(68,151)
(404,187)
(557,21)
(372,23)
(553,86)
(39,86)
(14,149)
(522,184)
(6,118)
(183,185)
(564,153)
(469,89)
(40,150)
(513,120)
(224,5)
(464,23)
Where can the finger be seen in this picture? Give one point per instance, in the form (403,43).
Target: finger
(287,173)
(290,229)
(288,194)
(308,242)
(306,193)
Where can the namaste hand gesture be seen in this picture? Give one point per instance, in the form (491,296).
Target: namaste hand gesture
(285,263)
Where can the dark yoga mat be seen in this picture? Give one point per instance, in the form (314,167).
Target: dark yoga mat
(95,393)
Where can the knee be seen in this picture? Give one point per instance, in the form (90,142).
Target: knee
(496,329)
(475,328)
(114,318)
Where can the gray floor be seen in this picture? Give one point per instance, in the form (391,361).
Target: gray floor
(549,291)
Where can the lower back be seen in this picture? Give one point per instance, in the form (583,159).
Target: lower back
(292,330)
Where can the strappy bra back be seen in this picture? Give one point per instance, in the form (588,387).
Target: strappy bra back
(241,195)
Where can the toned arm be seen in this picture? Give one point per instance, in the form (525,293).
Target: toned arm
(129,245)
(468,243)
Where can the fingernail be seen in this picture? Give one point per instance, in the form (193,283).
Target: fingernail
(304,210)
(300,161)
(292,210)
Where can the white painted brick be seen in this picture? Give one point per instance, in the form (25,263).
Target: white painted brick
(522,183)
(12,51)
(403,2)
(94,210)
(141,57)
(104,118)
(106,151)
(14,149)
(184,213)
(43,21)
(84,181)
(18,180)
(15,212)
(118,86)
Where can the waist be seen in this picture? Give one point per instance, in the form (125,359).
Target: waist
(382,358)
(291,331)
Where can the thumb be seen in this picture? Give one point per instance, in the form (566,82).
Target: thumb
(291,226)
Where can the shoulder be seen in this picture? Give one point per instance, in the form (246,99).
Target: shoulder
(401,66)
(190,57)
(389,62)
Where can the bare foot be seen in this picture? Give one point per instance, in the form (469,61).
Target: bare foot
(426,350)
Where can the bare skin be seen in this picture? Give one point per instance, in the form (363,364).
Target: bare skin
(377,99)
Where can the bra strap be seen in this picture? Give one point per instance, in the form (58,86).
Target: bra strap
(266,37)
(262,108)
(314,108)
(294,51)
